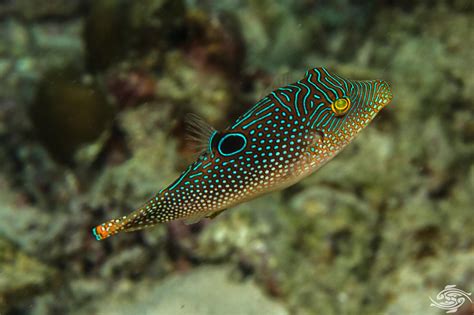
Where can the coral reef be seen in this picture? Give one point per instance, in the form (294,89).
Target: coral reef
(383,226)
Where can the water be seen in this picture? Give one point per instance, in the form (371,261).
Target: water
(93,99)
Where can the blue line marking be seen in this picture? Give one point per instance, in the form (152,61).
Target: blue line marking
(281,103)
(180,179)
(318,89)
(317,118)
(295,102)
(315,112)
(210,142)
(263,110)
(249,113)
(327,87)
(288,99)
(256,120)
(194,175)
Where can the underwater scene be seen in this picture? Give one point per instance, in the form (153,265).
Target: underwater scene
(241,157)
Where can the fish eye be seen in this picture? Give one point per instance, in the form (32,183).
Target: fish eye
(231,144)
(341,106)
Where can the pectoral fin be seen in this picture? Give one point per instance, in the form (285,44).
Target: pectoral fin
(199,133)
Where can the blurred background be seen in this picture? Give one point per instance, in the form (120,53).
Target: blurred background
(93,96)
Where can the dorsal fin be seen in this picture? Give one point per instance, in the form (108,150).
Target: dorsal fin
(198,132)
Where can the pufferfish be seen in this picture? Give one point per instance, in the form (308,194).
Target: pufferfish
(284,137)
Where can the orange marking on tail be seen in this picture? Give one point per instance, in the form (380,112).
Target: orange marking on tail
(107,229)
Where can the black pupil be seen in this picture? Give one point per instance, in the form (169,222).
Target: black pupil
(231,144)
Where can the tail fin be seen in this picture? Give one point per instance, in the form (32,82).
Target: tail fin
(108,228)
(145,216)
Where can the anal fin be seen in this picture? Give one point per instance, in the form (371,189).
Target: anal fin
(215,214)
(202,215)
(195,218)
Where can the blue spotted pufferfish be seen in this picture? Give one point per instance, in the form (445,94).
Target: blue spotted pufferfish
(284,137)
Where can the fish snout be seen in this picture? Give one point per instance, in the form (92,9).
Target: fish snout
(384,93)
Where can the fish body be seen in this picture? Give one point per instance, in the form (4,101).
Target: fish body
(283,138)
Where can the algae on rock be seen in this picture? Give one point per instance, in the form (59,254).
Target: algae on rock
(21,276)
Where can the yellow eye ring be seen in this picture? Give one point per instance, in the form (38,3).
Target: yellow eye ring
(341,106)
